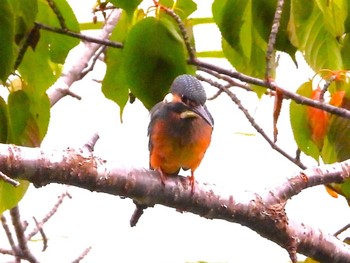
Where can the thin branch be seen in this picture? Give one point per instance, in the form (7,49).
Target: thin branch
(42,233)
(6,252)
(190,50)
(344,228)
(234,98)
(8,232)
(94,60)
(83,37)
(58,14)
(31,40)
(82,255)
(272,39)
(22,241)
(232,82)
(326,86)
(40,224)
(9,180)
(89,146)
(342,112)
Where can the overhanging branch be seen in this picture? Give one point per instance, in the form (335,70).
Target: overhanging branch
(342,112)
(263,213)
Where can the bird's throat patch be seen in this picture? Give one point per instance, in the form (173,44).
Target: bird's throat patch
(188,114)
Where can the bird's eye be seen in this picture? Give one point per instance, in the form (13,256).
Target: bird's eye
(185,100)
(188,101)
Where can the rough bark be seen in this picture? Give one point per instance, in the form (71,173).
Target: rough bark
(261,212)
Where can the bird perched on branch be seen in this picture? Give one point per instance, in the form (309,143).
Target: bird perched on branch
(179,132)
(180,129)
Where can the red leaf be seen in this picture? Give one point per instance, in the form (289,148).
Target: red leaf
(276,111)
(318,120)
(337,98)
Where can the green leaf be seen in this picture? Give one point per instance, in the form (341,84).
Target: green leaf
(151,67)
(300,124)
(338,138)
(128,5)
(38,60)
(315,30)
(185,8)
(10,196)
(28,118)
(230,25)
(210,54)
(25,12)
(114,85)
(57,44)
(242,43)
(18,107)
(263,13)
(242,64)
(3,121)
(52,48)
(345,50)
(7,28)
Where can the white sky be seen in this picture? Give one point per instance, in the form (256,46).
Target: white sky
(234,161)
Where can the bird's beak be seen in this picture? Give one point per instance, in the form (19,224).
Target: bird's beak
(192,112)
(204,113)
(198,111)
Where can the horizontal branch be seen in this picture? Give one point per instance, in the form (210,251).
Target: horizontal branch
(273,86)
(263,213)
(80,36)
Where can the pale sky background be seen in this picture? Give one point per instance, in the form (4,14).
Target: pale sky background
(234,161)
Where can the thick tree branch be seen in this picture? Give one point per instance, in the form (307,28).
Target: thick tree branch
(263,213)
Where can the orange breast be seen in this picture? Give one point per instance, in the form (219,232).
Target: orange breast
(178,143)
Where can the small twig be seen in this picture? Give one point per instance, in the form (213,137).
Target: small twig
(31,40)
(190,50)
(217,94)
(297,154)
(234,98)
(22,241)
(104,42)
(231,81)
(6,251)
(9,180)
(138,212)
(326,86)
(82,255)
(344,228)
(42,233)
(8,232)
(89,146)
(272,38)
(58,14)
(94,59)
(39,225)
(72,94)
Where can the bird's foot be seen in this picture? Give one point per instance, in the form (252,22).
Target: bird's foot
(191,179)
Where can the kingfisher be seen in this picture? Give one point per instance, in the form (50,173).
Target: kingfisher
(180,129)
(179,132)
